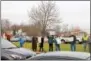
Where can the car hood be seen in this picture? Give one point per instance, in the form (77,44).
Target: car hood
(23,51)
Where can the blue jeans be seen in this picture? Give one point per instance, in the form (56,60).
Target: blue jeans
(85,45)
(57,47)
(21,44)
(73,47)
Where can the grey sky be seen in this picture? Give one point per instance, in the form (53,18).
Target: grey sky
(76,13)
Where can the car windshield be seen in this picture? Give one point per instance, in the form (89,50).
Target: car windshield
(6,44)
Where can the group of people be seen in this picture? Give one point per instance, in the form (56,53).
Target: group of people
(52,39)
(55,39)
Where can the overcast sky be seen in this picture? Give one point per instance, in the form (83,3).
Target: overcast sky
(73,13)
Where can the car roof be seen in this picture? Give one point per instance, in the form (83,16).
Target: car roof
(81,55)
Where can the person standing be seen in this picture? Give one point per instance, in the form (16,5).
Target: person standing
(73,43)
(42,44)
(39,41)
(85,38)
(57,43)
(21,40)
(50,42)
(8,36)
(34,43)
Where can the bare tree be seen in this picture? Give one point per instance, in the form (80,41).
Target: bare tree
(5,25)
(45,15)
(65,28)
(57,29)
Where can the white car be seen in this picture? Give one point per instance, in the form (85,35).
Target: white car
(14,39)
(70,39)
(10,51)
(67,39)
(79,38)
(27,38)
(45,39)
(62,55)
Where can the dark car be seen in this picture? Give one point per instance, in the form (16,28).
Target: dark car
(63,55)
(10,51)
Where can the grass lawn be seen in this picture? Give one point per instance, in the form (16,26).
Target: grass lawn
(64,47)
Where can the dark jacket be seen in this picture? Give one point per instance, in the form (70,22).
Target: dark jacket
(74,38)
(42,42)
(50,39)
(34,42)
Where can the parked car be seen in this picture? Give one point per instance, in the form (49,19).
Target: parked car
(27,39)
(79,39)
(10,51)
(45,39)
(14,39)
(70,39)
(63,55)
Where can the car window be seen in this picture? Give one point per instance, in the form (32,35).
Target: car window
(6,44)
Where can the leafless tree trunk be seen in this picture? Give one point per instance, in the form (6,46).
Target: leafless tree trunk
(45,15)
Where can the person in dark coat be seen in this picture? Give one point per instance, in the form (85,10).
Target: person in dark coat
(34,43)
(8,36)
(50,42)
(42,44)
(73,43)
